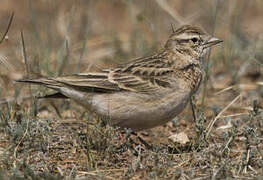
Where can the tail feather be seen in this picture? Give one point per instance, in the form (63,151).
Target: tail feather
(57,95)
(63,91)
(44,81)
(48,82)
(70,82)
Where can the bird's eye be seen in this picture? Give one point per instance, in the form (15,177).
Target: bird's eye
(194,40)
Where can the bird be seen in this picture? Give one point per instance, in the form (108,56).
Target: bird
(145,92)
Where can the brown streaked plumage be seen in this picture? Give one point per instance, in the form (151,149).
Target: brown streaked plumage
(145,92)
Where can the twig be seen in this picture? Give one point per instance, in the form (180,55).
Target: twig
(233,115)
(250,167)
(8,27)
(95,173)
(211,124)
(24,135)
(208,58)
(241,86)
(102,170)
(193,109)
(224,90)
(24,52)
(216,172)
(164,5)
(228,142)
(247,161)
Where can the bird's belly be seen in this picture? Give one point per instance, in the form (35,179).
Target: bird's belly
(139,111)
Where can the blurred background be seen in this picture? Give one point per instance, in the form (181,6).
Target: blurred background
(63,37)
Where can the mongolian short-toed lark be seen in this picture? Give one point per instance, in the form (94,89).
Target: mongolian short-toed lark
(146,92)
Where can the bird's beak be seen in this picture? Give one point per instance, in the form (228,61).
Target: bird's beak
(212,41)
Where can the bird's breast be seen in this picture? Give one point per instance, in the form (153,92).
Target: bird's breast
(192,78)
(140,111)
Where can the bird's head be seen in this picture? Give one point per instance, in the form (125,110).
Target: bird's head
(190,41)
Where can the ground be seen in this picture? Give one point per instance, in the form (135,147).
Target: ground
(58,139)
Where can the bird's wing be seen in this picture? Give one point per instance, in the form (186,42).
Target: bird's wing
(87,82)
(142,75)
(90,82)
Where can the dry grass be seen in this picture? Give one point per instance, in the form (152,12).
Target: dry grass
(56,139)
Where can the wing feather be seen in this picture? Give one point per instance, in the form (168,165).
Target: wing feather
(143,75)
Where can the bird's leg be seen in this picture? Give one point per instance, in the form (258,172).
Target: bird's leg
(192,100)
(128,140)
(144,143)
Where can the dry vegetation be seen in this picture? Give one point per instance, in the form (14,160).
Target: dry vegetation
(56,139)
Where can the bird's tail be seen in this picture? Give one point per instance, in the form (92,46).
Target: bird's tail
(43,81)
(48,82)
(63,90)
